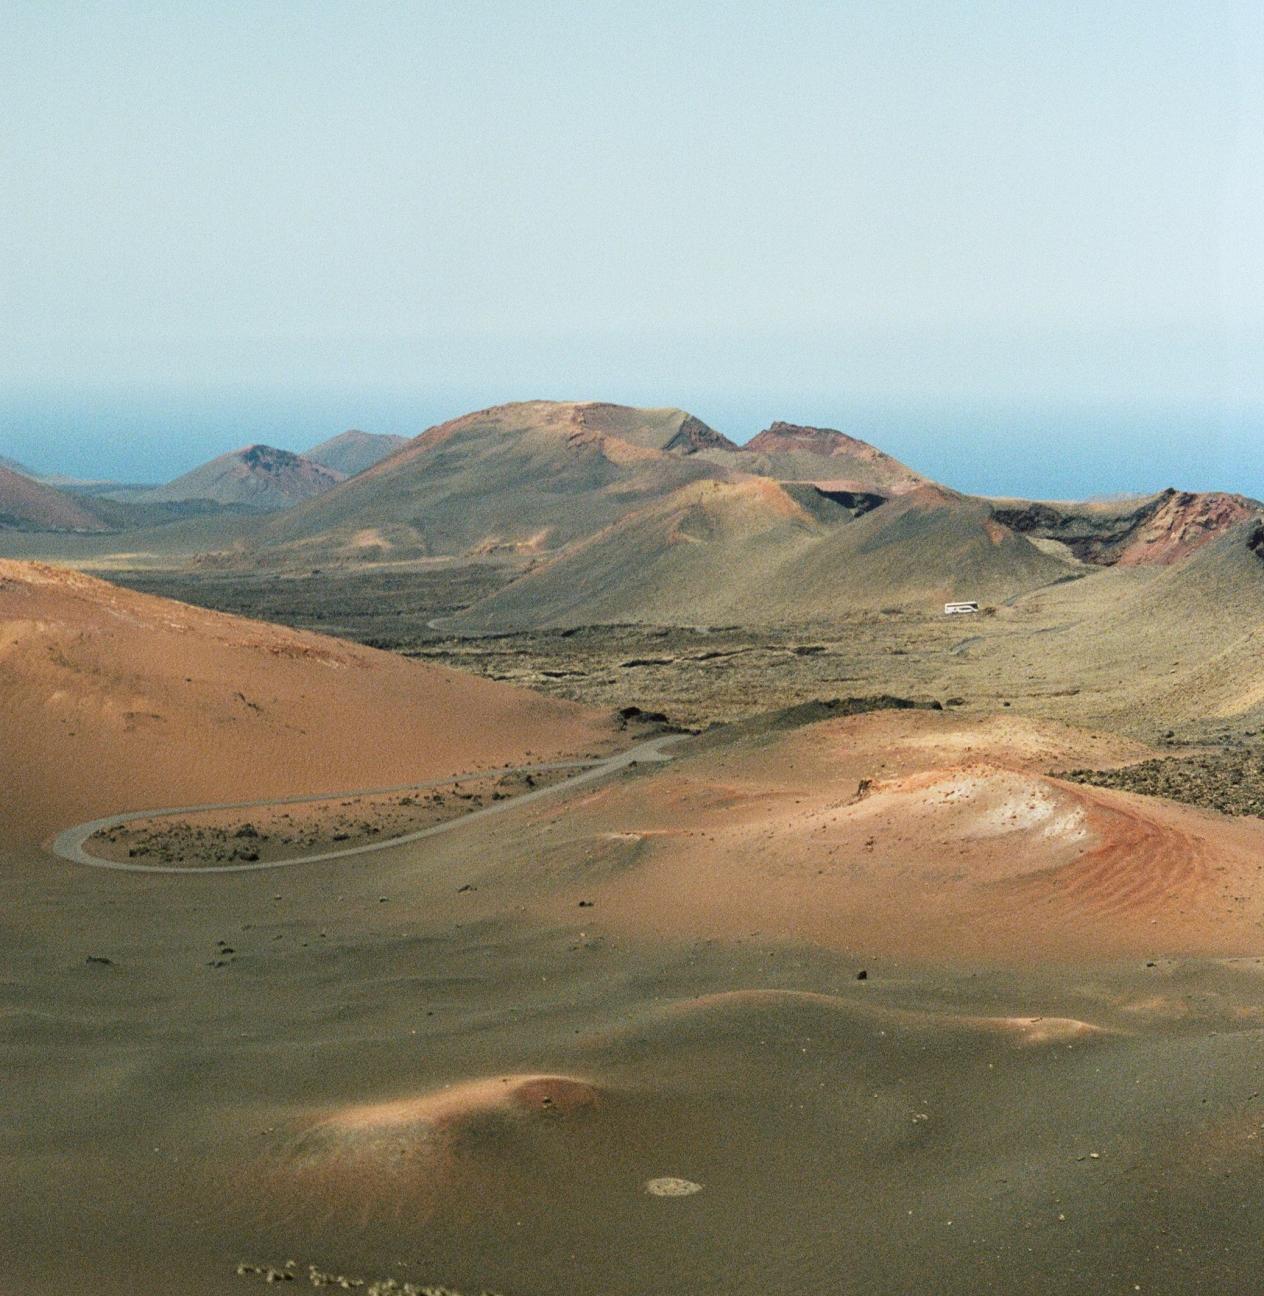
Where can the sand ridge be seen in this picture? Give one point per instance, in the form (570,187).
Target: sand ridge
(452,1105)
(411,1156)
(1023,1032)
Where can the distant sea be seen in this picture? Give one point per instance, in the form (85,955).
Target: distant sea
(1050,451)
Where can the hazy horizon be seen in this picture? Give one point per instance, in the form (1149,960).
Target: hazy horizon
(1025,450)
(1020,248)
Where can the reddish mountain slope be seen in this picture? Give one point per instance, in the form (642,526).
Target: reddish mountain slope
(1156,531)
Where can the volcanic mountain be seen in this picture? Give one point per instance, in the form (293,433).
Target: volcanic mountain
(1155,530)
(788,452)
(626,514)
(517,479)
(113,699)
(536,476)
(644,514)
(258,477)
(762,552)
(353,451)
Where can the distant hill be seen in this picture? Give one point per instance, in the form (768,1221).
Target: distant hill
(259,477)
(615,513)
(61,482)
(788,452)
(90,485)
(761,552)
(519,479)
(352,452)
(650,515)
(29,505)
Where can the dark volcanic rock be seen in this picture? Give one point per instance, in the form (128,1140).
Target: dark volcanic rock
(1231,782)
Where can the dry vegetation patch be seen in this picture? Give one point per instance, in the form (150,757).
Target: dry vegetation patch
(282,831)
(1231,782)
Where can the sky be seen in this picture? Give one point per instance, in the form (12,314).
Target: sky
(1020,245)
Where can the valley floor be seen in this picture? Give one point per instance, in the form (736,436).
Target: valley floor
(902,1010)
(910,1016)
(1092,651)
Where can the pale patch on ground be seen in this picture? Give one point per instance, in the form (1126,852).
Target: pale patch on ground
(848,834)
(979,802)
(1033,1031)
(447,1107)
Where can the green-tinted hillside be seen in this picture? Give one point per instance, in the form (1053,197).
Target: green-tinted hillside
(754,551)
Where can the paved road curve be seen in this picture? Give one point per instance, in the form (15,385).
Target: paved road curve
(69,844)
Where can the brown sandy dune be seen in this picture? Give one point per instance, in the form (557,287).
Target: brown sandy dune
(112,700)
(1031,1032)
(982,860)
(452,1106)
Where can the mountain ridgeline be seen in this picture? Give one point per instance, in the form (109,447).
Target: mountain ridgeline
(607,513)
(621,514)
(257,478)
(537,477)
(353,451)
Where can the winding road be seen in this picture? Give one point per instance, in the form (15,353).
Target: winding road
(69,844)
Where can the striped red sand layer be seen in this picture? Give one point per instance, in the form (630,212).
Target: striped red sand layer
(936,858)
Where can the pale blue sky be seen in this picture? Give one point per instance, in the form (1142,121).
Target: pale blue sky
(297,216)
